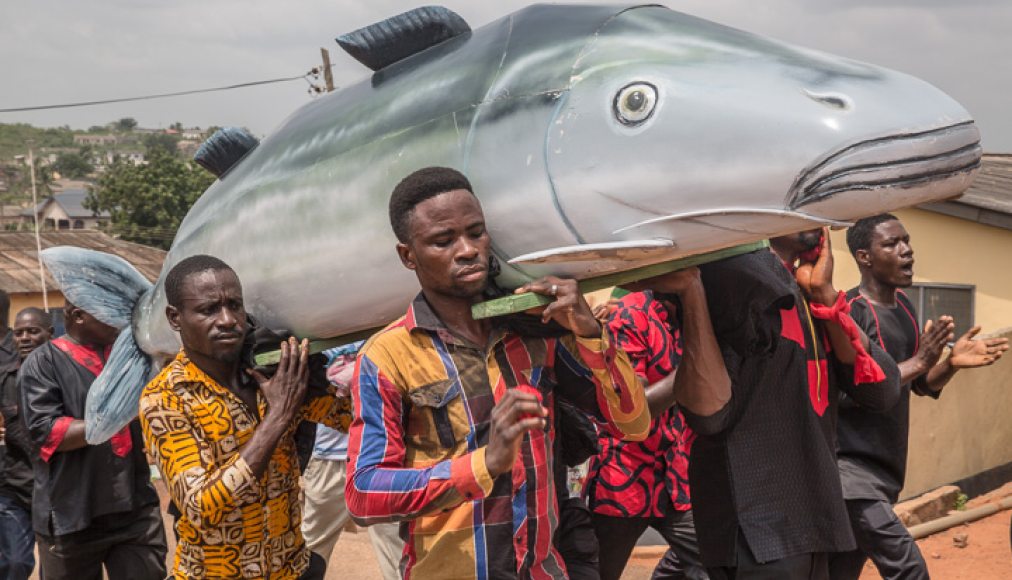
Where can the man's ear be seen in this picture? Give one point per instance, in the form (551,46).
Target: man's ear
(407,256)
(863,258)
(172,314)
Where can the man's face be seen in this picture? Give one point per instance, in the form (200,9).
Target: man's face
(448,247)
(211,318)
(889,257)
(30,333)
(87,329)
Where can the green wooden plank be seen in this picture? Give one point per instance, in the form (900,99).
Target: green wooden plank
(273,357)
(522,302)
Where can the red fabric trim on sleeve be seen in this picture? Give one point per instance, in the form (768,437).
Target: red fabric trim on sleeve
(56,435)
(121,442)
(866,370)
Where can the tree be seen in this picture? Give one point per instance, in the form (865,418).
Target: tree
(177,126)
(161,142)
(73,165)
(148,202)
(126,124)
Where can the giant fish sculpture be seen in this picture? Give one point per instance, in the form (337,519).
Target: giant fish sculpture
(598,138)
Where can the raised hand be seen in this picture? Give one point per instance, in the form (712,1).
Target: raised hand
(602,310)
(933,340)
(816,278)
(515,414)
(286,390)
(569,308)
(969,352)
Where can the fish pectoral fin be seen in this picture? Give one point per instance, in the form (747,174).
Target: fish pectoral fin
(761,221)
(627,251)
(381,44)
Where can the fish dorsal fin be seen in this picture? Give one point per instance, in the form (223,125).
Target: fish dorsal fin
(398,37)
(224,149)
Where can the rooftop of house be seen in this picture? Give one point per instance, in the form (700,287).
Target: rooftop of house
(19,266)
(988,201)
(72,202)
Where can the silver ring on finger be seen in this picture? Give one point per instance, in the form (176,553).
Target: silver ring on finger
(554,289)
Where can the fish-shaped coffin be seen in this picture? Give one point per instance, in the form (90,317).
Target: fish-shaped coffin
(640,132)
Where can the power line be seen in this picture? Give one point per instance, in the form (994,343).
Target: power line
(313,73)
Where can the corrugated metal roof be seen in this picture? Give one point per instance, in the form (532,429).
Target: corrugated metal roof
(992,188)
(988,201)
(19,267)
(72,202)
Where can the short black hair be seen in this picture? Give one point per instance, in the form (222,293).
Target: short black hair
(5,308)
(44,317)
(178,274)
(859,234)
(418,187)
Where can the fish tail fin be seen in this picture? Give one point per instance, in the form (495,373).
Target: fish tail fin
(108,288)
(113,397)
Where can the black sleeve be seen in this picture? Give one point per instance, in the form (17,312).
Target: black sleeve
(41,396)
(919,386)
(880,396)
(16,433)
(745,295)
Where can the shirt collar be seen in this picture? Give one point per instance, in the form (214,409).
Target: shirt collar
(421,316)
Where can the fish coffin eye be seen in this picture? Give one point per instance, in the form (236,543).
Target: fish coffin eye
(635,102)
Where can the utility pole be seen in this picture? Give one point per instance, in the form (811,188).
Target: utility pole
(329,78)
(38,239)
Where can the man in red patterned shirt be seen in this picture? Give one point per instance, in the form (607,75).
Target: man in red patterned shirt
(635,485)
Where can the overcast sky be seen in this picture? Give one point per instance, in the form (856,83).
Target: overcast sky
(57,51)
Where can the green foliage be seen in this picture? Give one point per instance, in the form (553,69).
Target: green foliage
(148,202)
(73,165)
(161,143)
(126,124)
(961,500)
(14,139)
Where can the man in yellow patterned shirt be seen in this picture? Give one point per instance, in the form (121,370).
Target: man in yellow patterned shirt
(223,435)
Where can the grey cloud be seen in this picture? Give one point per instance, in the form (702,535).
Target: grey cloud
(67,51)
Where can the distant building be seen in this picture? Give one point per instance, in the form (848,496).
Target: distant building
(107,158)
(187,147)
(192,134)
(65,211)
(10,216)
(91,139)
(19,266)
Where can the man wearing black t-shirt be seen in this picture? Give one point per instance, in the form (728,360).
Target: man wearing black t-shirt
(93,505)
(873,446)
(766,490)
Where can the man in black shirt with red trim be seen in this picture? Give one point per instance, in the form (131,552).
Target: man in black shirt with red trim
(93,506)
(766,490)
(873,446)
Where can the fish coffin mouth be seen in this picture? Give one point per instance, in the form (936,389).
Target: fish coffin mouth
(896,161)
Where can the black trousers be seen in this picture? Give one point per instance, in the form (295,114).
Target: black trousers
(800,567)
(882,537)
(618,537)
(575,540)
(131,546)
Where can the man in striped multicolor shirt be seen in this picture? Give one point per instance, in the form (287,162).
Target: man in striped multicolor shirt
(452,431)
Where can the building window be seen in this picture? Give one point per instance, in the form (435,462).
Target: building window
(78,224)
(934,300)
